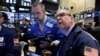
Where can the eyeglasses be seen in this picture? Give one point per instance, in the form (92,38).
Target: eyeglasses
(62,14)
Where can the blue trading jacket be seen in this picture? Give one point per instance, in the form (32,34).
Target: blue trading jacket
(49,28)
(7,47)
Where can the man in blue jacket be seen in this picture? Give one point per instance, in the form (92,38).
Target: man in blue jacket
(77,42)
(7,35)
(25,26)
(25,29)
(44,25)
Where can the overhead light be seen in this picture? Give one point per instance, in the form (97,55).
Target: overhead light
(89,15)
(40,0)
(7,1)
(10,1)
(14,1)
(26,9)
(12,7)
(24,3)
(54,1)
(21,9)
(27,0)
(3,8)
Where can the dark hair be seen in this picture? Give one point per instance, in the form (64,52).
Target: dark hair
(4,15)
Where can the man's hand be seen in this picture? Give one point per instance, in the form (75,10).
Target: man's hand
(46,53)
(16,41)
(55,43)
(30,43)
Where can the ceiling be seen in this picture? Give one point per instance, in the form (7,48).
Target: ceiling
(81,5)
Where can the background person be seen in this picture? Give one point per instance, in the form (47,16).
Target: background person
(44,26)
(7,34)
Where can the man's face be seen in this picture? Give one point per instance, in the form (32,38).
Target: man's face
(64,19)
(24,22)
(38,13)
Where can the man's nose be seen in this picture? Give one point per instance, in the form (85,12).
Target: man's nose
(58,17)
(35,15)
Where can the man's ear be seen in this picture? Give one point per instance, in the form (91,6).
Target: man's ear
(44,11)
(72,18)
(3,18)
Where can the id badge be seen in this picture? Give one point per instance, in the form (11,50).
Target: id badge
(1,39)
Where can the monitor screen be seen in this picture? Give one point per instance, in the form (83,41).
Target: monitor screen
(89,15)
(24,15)
(10,16)
(81,16)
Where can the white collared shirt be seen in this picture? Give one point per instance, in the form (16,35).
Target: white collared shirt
(0,27)
(41,25)
(66,33)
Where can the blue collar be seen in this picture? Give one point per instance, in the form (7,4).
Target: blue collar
(66,33)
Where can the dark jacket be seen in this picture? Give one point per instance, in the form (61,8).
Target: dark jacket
(76,42)
(96,32)
(7,47)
